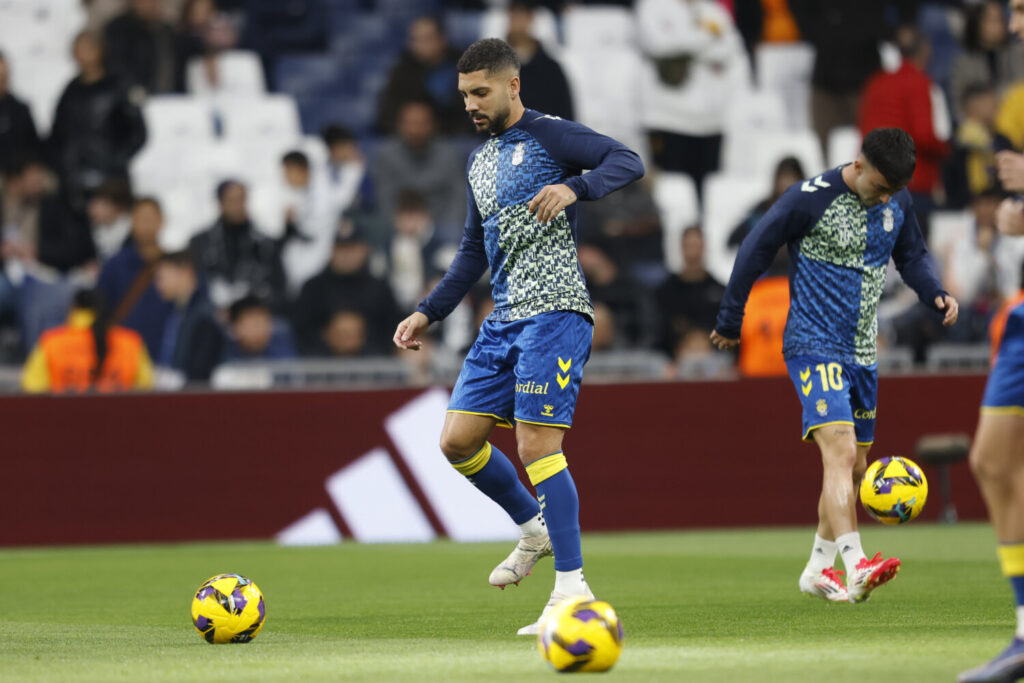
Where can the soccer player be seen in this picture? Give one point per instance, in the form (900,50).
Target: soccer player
(997,457)
(526,365)
(841,229)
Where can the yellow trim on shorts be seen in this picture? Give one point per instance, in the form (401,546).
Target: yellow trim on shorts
(824,424)
(546,467)
(1002,410)
(1011,559)
(545,424)
(865,443)
(502,421)
(475,462)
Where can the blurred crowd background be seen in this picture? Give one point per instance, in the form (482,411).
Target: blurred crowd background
(255,192)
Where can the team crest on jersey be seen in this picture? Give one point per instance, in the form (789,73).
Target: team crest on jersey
(822,407)
(518,153)
(888,220)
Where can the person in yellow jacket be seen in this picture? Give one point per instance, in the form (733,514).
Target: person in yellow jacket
(88,354)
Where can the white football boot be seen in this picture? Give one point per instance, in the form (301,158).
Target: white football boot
(556,597)
(520,561)
(827,584)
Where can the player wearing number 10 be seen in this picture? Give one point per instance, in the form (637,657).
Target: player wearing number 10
(841,228)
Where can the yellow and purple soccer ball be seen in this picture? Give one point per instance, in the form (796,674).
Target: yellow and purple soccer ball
(228,608)
(894,490)
(580,634)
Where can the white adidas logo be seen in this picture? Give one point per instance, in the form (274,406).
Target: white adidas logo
(372,497)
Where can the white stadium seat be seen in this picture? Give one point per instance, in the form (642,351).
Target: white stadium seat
(260,120)
(752,117)
(173,120)
(785,68)
(606,92)
(676,198)
(599,28)
(727,201)
(843,145)
(769,150)
(40,81)
(238,73)
(545,26)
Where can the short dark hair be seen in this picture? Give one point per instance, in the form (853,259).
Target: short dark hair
(183,258)
(296,158)
(224,185)
(334,134)
(489,54)
(117,191)
(411,201)
(152,201)
(247,303)
(892,152)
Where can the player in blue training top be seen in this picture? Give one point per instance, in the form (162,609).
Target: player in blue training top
(997,456)
(526,365)
(841,229)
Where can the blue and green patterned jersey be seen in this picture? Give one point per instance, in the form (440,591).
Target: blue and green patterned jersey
(534,267)
(839,250)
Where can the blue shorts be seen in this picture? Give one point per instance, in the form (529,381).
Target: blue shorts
(1004,391)
(836,393)
(526,370)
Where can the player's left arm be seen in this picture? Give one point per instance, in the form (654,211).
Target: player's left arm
(612,165)
(916,267)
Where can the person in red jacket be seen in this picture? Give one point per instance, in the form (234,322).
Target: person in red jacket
(908,99)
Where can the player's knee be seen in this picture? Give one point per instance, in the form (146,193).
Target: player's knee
(985,466)
(459,446)
(533,446)
(840,456)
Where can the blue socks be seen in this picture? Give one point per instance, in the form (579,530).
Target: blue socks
(491,472)
(560,504)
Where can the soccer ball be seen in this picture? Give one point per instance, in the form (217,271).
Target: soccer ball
(228,608)
(894,490)
(580,634)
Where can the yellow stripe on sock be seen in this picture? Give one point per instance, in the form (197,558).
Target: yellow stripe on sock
(546,467)
(475,463)
(1011,557)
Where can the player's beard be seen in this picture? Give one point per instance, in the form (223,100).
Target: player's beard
(494,125)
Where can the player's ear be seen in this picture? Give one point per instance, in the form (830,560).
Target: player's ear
(513,87)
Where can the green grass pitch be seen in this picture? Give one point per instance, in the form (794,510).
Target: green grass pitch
(717,606)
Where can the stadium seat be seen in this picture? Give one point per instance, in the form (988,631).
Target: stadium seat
(599,28)
(606,91)
(259,120)
(239,73)
(785,69)
(843,145)
(947,226)
(752,117)
(177,120)
(494,24)
(727,200)
(675,195)
(769,150)
(186,213)
(40,81)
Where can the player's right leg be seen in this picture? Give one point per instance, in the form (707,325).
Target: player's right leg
(997,459)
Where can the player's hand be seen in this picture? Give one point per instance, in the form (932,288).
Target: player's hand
(950,306)
(1011,170)
(1010,217)
(723,343)
(550,201)
(409,329)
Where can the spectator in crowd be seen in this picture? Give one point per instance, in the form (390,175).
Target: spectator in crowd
(765,322)
(255,334)
(989,54)
(414,253)
(126,280)
(688,300)
(88,353)
(203,30)
(309,221)
(765,21)
(909,100)
(544,85)
(845,35)
(605,336)
(628,303)
(425,72)
(417,159)
(96,128)
(345,335)
(235,258)
(192,343)
(971,168)
(788,171)
(346,284)
(110,214)
(143,50)
(346,169)
(697,63)
(46,246)
(628,224)
(18,136)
